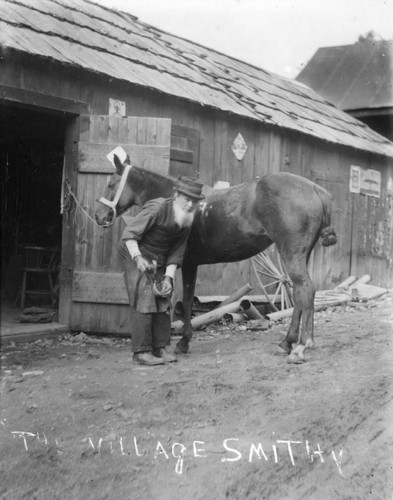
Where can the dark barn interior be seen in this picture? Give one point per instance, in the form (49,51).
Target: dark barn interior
(31,161)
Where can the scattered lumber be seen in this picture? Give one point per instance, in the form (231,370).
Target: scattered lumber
(210,299)
(366,278)
(286,313)
(234,318)
(364,292)
(350,290)
(345,284)
(249,309)
(237,295)
(233,309)
(209,317)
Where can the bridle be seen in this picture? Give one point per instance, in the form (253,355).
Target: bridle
(112,204)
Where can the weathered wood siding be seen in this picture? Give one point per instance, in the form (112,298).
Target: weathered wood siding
(363,224)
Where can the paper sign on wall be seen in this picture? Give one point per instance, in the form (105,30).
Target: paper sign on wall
(117,107)
(365,181)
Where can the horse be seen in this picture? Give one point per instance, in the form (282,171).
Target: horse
(237,223)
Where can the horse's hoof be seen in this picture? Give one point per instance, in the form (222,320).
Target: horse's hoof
(297,355)
(285,347)
(181,348)
(295,359)
(310,344)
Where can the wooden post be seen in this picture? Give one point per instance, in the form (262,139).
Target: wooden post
(237,295)
(209,317)
(250,310)
(234,317)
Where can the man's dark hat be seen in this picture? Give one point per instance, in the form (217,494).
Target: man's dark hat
(189,186)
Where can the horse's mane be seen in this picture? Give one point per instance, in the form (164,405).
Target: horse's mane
(161,180)
(153,176)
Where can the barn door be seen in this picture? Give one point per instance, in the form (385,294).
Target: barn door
(98,295)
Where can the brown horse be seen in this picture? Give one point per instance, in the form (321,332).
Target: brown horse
(236,223)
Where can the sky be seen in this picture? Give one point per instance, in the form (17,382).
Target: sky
(277,35)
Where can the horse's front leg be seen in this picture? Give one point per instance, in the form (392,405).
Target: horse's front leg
(189,273)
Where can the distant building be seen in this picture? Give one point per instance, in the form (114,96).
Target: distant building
(356,78)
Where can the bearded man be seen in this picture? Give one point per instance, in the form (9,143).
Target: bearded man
(152,248)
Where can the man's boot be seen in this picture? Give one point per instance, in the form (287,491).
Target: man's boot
(163,354)
(147,358)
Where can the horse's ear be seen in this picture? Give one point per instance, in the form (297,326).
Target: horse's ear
(118,164)
(127,160)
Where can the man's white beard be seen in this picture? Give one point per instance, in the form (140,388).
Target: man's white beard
(182,217)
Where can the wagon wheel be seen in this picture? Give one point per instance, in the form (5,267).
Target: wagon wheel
(275,279)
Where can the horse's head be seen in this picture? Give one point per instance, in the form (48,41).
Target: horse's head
(118,196)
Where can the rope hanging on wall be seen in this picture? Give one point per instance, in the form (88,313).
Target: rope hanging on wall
(79,208)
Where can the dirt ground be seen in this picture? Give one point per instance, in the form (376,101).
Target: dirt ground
(230,420)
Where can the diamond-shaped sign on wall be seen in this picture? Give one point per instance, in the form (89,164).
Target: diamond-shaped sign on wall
(239,146)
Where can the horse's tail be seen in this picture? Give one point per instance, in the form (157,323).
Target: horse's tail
(327,233)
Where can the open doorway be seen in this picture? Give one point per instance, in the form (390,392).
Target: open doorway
(31,164)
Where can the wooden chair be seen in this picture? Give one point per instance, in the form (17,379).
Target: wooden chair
(39,261)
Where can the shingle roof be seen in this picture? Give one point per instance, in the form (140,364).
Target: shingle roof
(83,34)
(358,76)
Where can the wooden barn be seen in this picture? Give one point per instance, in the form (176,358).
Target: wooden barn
(78,79)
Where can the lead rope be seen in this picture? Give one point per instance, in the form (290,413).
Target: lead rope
(78,207)
(109,203)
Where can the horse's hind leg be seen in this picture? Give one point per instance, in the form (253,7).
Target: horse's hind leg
(301,331)
(293,332)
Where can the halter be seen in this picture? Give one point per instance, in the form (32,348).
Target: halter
(112,204)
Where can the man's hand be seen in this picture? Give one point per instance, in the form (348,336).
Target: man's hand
(167,286)
(143,264)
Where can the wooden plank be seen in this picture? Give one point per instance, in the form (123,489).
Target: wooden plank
(105,288)
(261,154)
(206,158)
(234,273)
(181,131)
(210,280)
(184,152)
(122,130)
(132,125)
(68,229)
(44,101)
(274,153)
(182,155)
(163,131)
(113,317)
(31,332)
(100,130)
(116,129)
(92,157)
(326,176)
(221,167)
